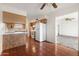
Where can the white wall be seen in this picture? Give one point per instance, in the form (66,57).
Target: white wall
(68,28)
(50,28)
(51,18)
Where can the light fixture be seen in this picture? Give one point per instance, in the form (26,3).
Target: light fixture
(69,19)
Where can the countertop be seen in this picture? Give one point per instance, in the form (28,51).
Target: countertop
(13,33)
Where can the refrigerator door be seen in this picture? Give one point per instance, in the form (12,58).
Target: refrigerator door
(40,32)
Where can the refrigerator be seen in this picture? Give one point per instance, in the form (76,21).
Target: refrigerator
(40,32)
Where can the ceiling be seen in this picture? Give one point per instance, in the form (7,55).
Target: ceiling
(34,8)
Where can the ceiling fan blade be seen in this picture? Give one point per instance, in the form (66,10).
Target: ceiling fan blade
(54,5)
(43,6)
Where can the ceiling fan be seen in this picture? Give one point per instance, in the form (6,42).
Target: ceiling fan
(53,4)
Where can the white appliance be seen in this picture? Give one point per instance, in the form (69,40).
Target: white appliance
(40,32)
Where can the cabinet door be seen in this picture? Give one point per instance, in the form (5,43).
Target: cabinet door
(8,17)
(20,19)
(5,42)
(20,40)
(13,18)
(11,41)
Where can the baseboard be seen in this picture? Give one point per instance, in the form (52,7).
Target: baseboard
(69,36)
(49,42)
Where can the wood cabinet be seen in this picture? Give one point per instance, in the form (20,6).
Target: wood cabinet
(13,18)
(43,21)
(13,40)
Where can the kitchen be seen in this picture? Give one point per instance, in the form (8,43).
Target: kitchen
(31,32)
(13,30)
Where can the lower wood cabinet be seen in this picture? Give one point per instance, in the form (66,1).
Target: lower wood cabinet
(13,40)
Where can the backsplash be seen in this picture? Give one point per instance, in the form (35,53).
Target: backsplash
(14,28)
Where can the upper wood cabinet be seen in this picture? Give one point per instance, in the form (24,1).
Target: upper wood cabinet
(20,19)
(43,21)
(13,18)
